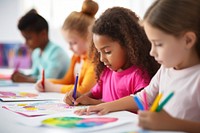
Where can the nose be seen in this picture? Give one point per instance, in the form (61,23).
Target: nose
(70,47)
(152,51)
(102,58)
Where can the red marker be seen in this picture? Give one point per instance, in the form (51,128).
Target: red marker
(43,79)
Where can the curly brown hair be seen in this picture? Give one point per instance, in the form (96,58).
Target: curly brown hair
(122,25)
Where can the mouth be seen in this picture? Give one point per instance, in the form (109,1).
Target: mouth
(107,65)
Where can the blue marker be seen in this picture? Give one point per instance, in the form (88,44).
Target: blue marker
(75,87)
(138,102)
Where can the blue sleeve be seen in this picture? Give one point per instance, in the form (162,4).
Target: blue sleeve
(35,60)
(55,63)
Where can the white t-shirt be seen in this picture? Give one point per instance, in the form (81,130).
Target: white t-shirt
(185,83)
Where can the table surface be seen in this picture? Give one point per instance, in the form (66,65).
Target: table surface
(10,123)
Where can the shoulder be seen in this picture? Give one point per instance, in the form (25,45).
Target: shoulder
(36,53)
(51,46)
(105,73)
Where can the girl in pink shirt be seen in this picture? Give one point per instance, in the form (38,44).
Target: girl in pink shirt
(121,55)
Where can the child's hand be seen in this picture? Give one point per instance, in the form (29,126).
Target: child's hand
(18,77)
(84,100)
(100,109)
(39,87)
(155,120)
(49,86)
(68,99)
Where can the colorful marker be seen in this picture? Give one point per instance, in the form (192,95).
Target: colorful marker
(43,79)
(160,107)
(75,87)
(145,100)
(138,102)
(155,103)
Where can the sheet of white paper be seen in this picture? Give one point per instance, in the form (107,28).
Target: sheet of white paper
(32,109)
(124,117)
(27,93)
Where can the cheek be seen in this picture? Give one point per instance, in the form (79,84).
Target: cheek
(118,60)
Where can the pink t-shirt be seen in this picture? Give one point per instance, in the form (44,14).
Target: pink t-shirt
(115,85)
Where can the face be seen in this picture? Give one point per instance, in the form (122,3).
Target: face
(168,50)
(32,39)
(111,53)
(77,43)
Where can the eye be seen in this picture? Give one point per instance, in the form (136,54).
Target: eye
(107,52)
(158,44)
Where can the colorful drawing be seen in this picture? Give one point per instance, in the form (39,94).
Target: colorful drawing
(40,108)
(77,122)
(7,94)
(13,53)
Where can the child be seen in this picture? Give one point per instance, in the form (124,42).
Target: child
(77,32)
(46,54)
(173,30)
(123,64)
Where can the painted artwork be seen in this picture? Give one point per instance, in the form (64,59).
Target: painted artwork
(78,122)
(8,96)
(40,108)
(15,53)
(15,95)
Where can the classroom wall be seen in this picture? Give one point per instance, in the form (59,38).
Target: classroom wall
(12,10)
(9,14)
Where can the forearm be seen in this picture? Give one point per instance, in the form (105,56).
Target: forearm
(92,100)
(126,103)
(57,88)
(95,101)
(31,79)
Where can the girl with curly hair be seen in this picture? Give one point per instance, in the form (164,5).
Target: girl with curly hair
(121,55)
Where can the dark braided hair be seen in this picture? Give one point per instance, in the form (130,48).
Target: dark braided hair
(122,25)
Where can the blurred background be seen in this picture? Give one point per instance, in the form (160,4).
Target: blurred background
(55,12)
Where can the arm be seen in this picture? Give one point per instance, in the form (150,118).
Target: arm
(85,99)
(49,86)
(86,79)
(163,121)
(19,77)
(126,103)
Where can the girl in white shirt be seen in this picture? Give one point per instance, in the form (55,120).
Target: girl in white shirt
(173,28)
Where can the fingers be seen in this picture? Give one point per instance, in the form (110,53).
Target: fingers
(14,76)
(145,119)
(39,87)
(98,109)
(81,111)
(68,99)
(83,99)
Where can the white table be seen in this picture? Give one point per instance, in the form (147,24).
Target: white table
(9,123)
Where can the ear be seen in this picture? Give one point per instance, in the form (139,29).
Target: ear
(190,39)
(43,33)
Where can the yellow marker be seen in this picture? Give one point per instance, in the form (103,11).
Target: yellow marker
(155,103)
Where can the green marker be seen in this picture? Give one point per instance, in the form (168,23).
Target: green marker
(160,107)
